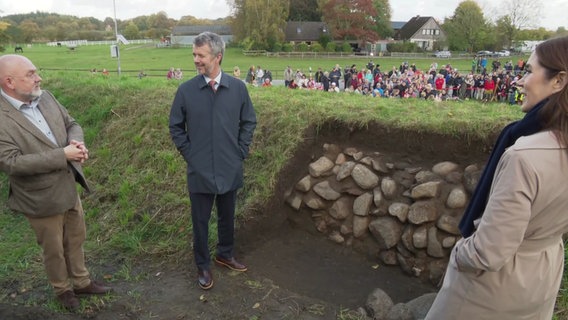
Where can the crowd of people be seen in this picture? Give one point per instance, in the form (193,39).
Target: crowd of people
(407,81)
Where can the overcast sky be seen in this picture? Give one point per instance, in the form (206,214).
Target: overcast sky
(553,14)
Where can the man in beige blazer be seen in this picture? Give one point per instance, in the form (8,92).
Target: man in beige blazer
(41,151)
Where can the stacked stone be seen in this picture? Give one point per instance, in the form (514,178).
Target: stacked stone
(412,213)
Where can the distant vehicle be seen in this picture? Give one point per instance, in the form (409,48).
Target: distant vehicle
(443,54)
(503,53)
(485,53)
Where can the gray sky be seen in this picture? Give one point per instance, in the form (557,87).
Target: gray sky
(552,15)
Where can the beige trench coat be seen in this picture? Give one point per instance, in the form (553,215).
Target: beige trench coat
(511,267)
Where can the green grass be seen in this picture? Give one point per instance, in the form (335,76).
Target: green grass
(139,206)
(156,61)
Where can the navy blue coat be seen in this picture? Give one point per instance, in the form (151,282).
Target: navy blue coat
(213,132)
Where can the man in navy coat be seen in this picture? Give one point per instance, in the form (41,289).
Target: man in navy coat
(212,121)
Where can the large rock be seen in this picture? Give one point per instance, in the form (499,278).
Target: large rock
(456,199)
(421,305)
(444,168)
(389,187)
(435,248)
(321,167)
(313,201)
(420,237)
(426,190)
(399,210)
(362,204)
(360,226)
(341,208)
(379,304)
(449,223)
(345,170)
(364,177)
(400,311)
(305,184)
(423,211)
(387,231)
(324,190)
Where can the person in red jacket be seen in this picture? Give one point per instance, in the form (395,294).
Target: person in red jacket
(489,88)
(440,82)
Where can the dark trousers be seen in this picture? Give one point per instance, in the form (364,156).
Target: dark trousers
(201,205)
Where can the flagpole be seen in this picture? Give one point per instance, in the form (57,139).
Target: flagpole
(116,36)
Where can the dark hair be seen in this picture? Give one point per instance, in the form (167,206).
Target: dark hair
(214,41)
(552,56)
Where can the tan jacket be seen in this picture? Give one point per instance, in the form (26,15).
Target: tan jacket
(42,181)
(511,267)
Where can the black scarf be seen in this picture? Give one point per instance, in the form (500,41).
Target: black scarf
(530,124)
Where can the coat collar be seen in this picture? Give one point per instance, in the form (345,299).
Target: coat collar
(10,112)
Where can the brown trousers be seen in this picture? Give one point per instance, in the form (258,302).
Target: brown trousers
(61,238)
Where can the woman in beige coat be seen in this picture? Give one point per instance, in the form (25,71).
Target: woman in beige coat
(509,264)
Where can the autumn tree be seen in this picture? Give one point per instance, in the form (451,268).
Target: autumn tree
(259,24)
(4,38)
(351,20)
(466,28)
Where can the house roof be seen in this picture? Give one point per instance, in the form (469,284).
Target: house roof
(397,25)
(197,29)
(305,30)
(412,26)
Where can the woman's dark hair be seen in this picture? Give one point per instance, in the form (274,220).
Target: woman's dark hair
(552,55)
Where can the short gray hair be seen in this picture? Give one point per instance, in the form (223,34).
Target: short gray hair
(214,41)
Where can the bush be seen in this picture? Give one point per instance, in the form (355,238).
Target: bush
(287,47)
(276,47)
(316,47)
(302,47)
(346,48)
(403,47)
(331,47)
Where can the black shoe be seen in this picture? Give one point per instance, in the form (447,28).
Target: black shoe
(205,279)
(231,264)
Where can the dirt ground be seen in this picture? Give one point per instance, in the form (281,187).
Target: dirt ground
(294,272)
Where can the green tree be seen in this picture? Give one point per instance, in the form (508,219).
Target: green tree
(304,10)
(466,28)
(30,30)
(131,31)
(351,20)
(259,23)
(382,19)
(506,31)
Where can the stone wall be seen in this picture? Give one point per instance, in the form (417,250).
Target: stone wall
(408,212)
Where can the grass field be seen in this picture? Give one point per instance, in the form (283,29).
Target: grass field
(156,61)
(138,207)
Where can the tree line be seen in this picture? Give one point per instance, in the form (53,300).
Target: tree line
(260,24)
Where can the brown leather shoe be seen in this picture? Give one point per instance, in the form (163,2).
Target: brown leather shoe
(69,300)
(205,279)
(94,288)
(231,264)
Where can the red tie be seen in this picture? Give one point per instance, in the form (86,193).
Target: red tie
(212,84)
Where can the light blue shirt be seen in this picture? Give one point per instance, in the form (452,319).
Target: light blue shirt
(32,113)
